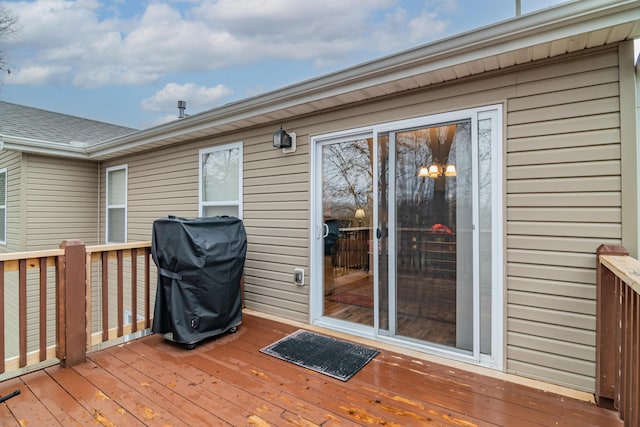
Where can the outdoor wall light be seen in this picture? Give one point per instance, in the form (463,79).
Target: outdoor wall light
(281,139)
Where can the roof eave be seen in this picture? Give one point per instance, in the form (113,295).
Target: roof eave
(36,146)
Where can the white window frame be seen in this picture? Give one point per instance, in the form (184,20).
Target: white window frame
(4,205)
(201,203)
(108,206)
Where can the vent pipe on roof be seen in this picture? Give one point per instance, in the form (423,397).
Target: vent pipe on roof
(182,105)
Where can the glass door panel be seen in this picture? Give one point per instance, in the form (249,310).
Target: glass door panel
(432,239)
(347,209)
(486,142)
(436,208)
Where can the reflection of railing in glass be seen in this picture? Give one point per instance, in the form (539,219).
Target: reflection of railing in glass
(353,248)
(430,253)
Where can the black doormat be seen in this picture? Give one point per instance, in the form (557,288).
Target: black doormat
(329,356)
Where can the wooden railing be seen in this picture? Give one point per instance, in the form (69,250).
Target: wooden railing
(67,279)
(22,262)
(618,332)
(112,258)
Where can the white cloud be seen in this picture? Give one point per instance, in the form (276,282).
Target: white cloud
(415,29)
(197,97)
(97,46)
(39,75)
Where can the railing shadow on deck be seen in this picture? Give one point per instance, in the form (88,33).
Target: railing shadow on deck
(86,289)
(618,332)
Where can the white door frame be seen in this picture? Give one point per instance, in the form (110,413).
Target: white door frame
(493,112)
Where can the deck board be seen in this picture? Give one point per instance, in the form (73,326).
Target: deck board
(59,403)
(227,381)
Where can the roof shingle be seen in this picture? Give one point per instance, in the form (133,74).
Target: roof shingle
(33,123)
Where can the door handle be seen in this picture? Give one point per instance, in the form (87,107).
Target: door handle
(325,227)
(378,233)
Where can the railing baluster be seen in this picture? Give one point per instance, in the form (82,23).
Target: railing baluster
(634,376)
(2,350)
(89,298)
(105,296)
(134,290)
(619,298)
(120,292)
(147,287)
(629,306)
(22,311)
(43,309)
(61,344)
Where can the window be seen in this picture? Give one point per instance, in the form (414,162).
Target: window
(116,225)
(221,181)
(3,206)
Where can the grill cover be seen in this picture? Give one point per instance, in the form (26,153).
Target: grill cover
(200,263)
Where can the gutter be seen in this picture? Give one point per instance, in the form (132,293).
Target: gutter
(38,146)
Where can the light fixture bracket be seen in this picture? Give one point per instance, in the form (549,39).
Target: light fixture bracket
(292,149)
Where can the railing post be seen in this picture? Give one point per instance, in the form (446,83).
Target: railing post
(606,319)
(71,304)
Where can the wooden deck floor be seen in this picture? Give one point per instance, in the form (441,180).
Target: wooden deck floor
(227,381)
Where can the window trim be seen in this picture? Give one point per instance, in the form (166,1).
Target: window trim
(6,202)
(201,203)
(109,206)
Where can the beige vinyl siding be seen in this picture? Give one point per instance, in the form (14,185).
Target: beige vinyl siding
(563,200)
(276,216)
(12,160)
(62,201)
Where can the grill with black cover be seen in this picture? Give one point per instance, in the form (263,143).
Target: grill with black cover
(200,263)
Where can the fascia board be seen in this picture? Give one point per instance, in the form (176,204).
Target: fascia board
(36,146)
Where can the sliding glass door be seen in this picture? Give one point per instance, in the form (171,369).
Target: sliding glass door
(409,233)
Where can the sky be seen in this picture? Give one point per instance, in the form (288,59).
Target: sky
(129,62)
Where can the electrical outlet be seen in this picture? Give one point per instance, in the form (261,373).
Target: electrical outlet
(298,276)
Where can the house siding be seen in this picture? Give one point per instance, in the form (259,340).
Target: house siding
(562,199)
(61,192)
(12,160)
